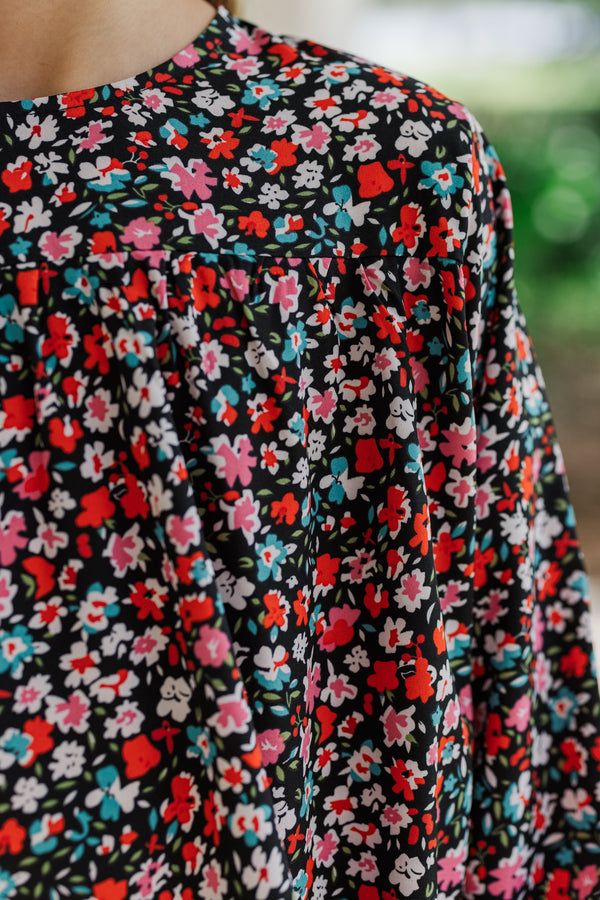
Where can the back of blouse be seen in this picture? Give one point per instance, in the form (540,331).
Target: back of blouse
(292,603)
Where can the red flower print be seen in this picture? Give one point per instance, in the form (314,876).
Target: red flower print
(373,180)
(410,229)
(376,599)
(254,223)
(65,433)
(418,686)
(203,288)
(61,337)
(109,889)
(96,508)
(18,412)
(12,836)
(384,676)
(184,802)
(368,457)
(17,176)
(140,756)
(495,740)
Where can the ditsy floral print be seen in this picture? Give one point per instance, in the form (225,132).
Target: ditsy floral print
(292,605)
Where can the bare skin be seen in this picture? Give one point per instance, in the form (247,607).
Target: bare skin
(54,46)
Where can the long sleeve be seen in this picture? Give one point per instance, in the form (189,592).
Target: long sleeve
(535,692)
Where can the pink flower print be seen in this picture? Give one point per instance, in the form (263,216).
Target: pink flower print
(156,100)
(398,726)
(250,43)
(506,208)
(451,597)
(284,293)
(184,531)
(271,745)
(451,716)
(509,875)
(213,885)
(322,405)
(538,626)
(518,717)
(243,67)
(486,458)
(395,817)
(233,713)
(372,278)
(418,273)
(28,697)
(142,233)
(233,461)
(190,179)
(484,496)
(339,689)
(311,686)
(451,868)
(340,629)
(212,646)
(187,57)
(243,515)
(420,375)
(459,110)
(459,443)
(465,698)
(206,222)
(100,411)
(123,550)
(59,247)
(315,137)
(586,882)
(96,134)
(325,848)
(237,283)
(70,714)
(11,540)
(7,589)
(306,745)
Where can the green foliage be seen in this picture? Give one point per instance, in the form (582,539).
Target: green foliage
(552,164)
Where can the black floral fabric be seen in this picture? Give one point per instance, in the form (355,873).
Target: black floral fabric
(292,604)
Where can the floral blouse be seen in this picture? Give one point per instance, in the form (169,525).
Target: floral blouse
(292,604)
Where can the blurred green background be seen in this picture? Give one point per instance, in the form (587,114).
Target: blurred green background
(530,71)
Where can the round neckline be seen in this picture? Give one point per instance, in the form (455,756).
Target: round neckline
(130,84)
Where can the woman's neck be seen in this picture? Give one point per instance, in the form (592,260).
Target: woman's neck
(55,46)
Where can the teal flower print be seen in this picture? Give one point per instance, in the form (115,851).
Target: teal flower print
(83,285)
(295,343)
(287,228)
(442,178)
(263,157)
(16,646)
(9,884)
(13,331)
(341,486)
(15,743)
(112,798)
(270,557)
(201,744)
(563,706)
(307,795)
(342,206)
(263,93)
(43,837)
